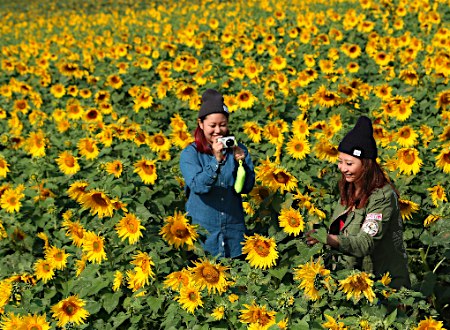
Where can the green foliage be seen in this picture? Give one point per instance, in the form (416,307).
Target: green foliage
(175,42)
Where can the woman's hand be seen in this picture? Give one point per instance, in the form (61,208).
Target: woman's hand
(217,148)
(309,239)
(239,153)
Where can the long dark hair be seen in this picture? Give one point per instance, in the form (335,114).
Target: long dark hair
(201,143)
(373,177)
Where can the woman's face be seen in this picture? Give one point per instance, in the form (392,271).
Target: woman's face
(351,167)
(214,125)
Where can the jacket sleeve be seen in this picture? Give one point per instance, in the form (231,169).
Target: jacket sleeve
(249,172)
(375,224)
(198,178)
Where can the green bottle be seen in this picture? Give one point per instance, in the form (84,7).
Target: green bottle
(240,178)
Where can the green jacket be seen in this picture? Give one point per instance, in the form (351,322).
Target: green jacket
(372,237)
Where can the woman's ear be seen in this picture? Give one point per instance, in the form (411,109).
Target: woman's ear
(200,123)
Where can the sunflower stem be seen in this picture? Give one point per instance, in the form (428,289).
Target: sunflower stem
(423,256)
(438,264)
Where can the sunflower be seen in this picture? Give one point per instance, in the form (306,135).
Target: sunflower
(429,323)
(408,161)
(326,66)
(407,208)
(443,100)
(409,76)
(80,265)
(209,275)
(443,159)
(130,227)
(177,231)
(5,295)
(118,280)
(325,98)
(351,50)
(313,277)
(275,177)
(93,247)
(445,135)
(92,115)
(3,233)
(218,313)
(102,96)
(332,324)
(146,169)
(58,90)
(44,270)
(143,267)
(189,298)
(98,203)
(300,127)
(70,310)
(253,130)
(357,284)
(77,190)
(177,123)
(260,193)
(291,221)
(298,148)
(281,179)
(57,257)
(404,111)
(245,99)
(326,151)
(4,167)
(143,99)
(273,132)
(383,91)
(261,251)
(257,316)
(106,136)
(10,321)
(386,279)
(431,219)
(382,58)
(406,136)
(437,194)
(75,231)
(178,279)
(35,322)
(159,142)
(181,138)
(277,63)
(114,81)
(74,111)
(88,148)
(115,167)
(36,143)
(10,199)
(68,164)
(252,69)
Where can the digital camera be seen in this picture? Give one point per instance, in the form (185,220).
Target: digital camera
(228,141)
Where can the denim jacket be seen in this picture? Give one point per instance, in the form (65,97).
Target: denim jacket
(212,202)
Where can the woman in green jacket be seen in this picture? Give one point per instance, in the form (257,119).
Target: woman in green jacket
(366,225)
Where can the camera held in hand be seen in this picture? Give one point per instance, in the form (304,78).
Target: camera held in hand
(228,141)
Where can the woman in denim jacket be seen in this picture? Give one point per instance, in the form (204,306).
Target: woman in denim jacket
(209,169)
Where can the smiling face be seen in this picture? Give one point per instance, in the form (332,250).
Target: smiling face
(351,167)
(214,125)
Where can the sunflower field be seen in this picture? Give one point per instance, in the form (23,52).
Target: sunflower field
(97,100)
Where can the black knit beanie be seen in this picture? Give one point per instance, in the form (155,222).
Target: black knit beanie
(359,142)
(212,102)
